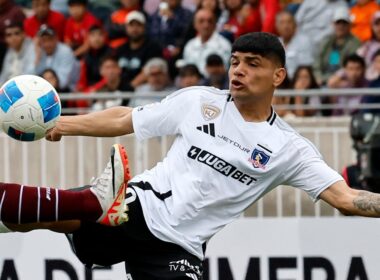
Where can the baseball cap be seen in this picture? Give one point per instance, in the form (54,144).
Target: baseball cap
(45,30)
(135,15)
(341,14)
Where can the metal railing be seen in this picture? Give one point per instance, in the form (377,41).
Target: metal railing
(279,93)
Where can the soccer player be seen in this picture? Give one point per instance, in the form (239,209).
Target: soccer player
(231,149)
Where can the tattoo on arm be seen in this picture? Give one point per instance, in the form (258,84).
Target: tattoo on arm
(368,202)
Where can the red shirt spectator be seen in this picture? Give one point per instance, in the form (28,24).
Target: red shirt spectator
(250,18)
(44,15)
(77,31)
(269,10)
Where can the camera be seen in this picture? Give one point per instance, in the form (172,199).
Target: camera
(365,133)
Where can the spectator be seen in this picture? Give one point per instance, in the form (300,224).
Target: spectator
(168,26)
(304,79)
(60,6)
(297,46)
(90,64)
(115,24)
(20,56)
(250,17)
(375,83)
(102,9)
(281,102)
(314,19)
(208,41)
(229,23)
(369,48)
(44,15)
(217,75)
(78,25)
(9,12)
(57,56)
(157,72)
(212,5)
(351,76)
(137,51)
(50,75)
(361,15)
(189,76)
(111,82)
(259,15)
(335,47)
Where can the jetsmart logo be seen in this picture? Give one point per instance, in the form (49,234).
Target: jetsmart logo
(219,165)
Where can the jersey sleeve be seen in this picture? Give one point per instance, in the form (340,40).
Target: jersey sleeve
(165,117)
(309,172)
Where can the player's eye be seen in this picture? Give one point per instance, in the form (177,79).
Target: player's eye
(234,63)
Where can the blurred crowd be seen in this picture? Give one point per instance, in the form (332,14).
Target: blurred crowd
(147,46)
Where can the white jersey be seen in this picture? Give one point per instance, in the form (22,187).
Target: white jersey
(218,165)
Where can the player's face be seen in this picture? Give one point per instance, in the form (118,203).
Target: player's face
(253,76)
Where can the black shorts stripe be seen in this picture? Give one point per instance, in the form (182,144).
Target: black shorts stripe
(148,187)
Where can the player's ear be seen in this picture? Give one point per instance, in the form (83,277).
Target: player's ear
(279,76)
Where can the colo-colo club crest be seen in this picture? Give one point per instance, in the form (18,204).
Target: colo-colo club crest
(259,159)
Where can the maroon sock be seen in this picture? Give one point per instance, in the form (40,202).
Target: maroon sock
(22,204)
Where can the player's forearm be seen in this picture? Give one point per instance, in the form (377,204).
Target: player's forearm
(111,122)
(366,204)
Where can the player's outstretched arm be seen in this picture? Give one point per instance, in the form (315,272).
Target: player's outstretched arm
(351,201)
(111,122)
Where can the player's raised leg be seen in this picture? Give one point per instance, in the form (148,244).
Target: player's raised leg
(37,207)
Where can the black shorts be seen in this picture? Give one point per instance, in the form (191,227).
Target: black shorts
(146,257)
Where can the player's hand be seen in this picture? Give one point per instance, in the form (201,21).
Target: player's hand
(53,135)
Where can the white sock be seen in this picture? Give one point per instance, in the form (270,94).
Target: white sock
(3,228)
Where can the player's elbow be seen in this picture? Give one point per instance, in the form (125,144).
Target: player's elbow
(345,206)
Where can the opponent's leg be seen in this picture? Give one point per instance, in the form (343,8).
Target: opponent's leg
(102,202)
(60,227)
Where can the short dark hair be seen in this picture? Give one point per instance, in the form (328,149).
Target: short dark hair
(109,57)
(80,2)
(95,27)
(214,60)
(355,59)
(262,43)
(189,70)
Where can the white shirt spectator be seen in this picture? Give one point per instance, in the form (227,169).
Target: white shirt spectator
(196,52)
(298,52)
(315,19)
(17,63)
(63,62)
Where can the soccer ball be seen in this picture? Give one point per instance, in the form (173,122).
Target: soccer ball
(29,106)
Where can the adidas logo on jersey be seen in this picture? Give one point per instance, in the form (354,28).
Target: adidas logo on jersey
(208,129)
